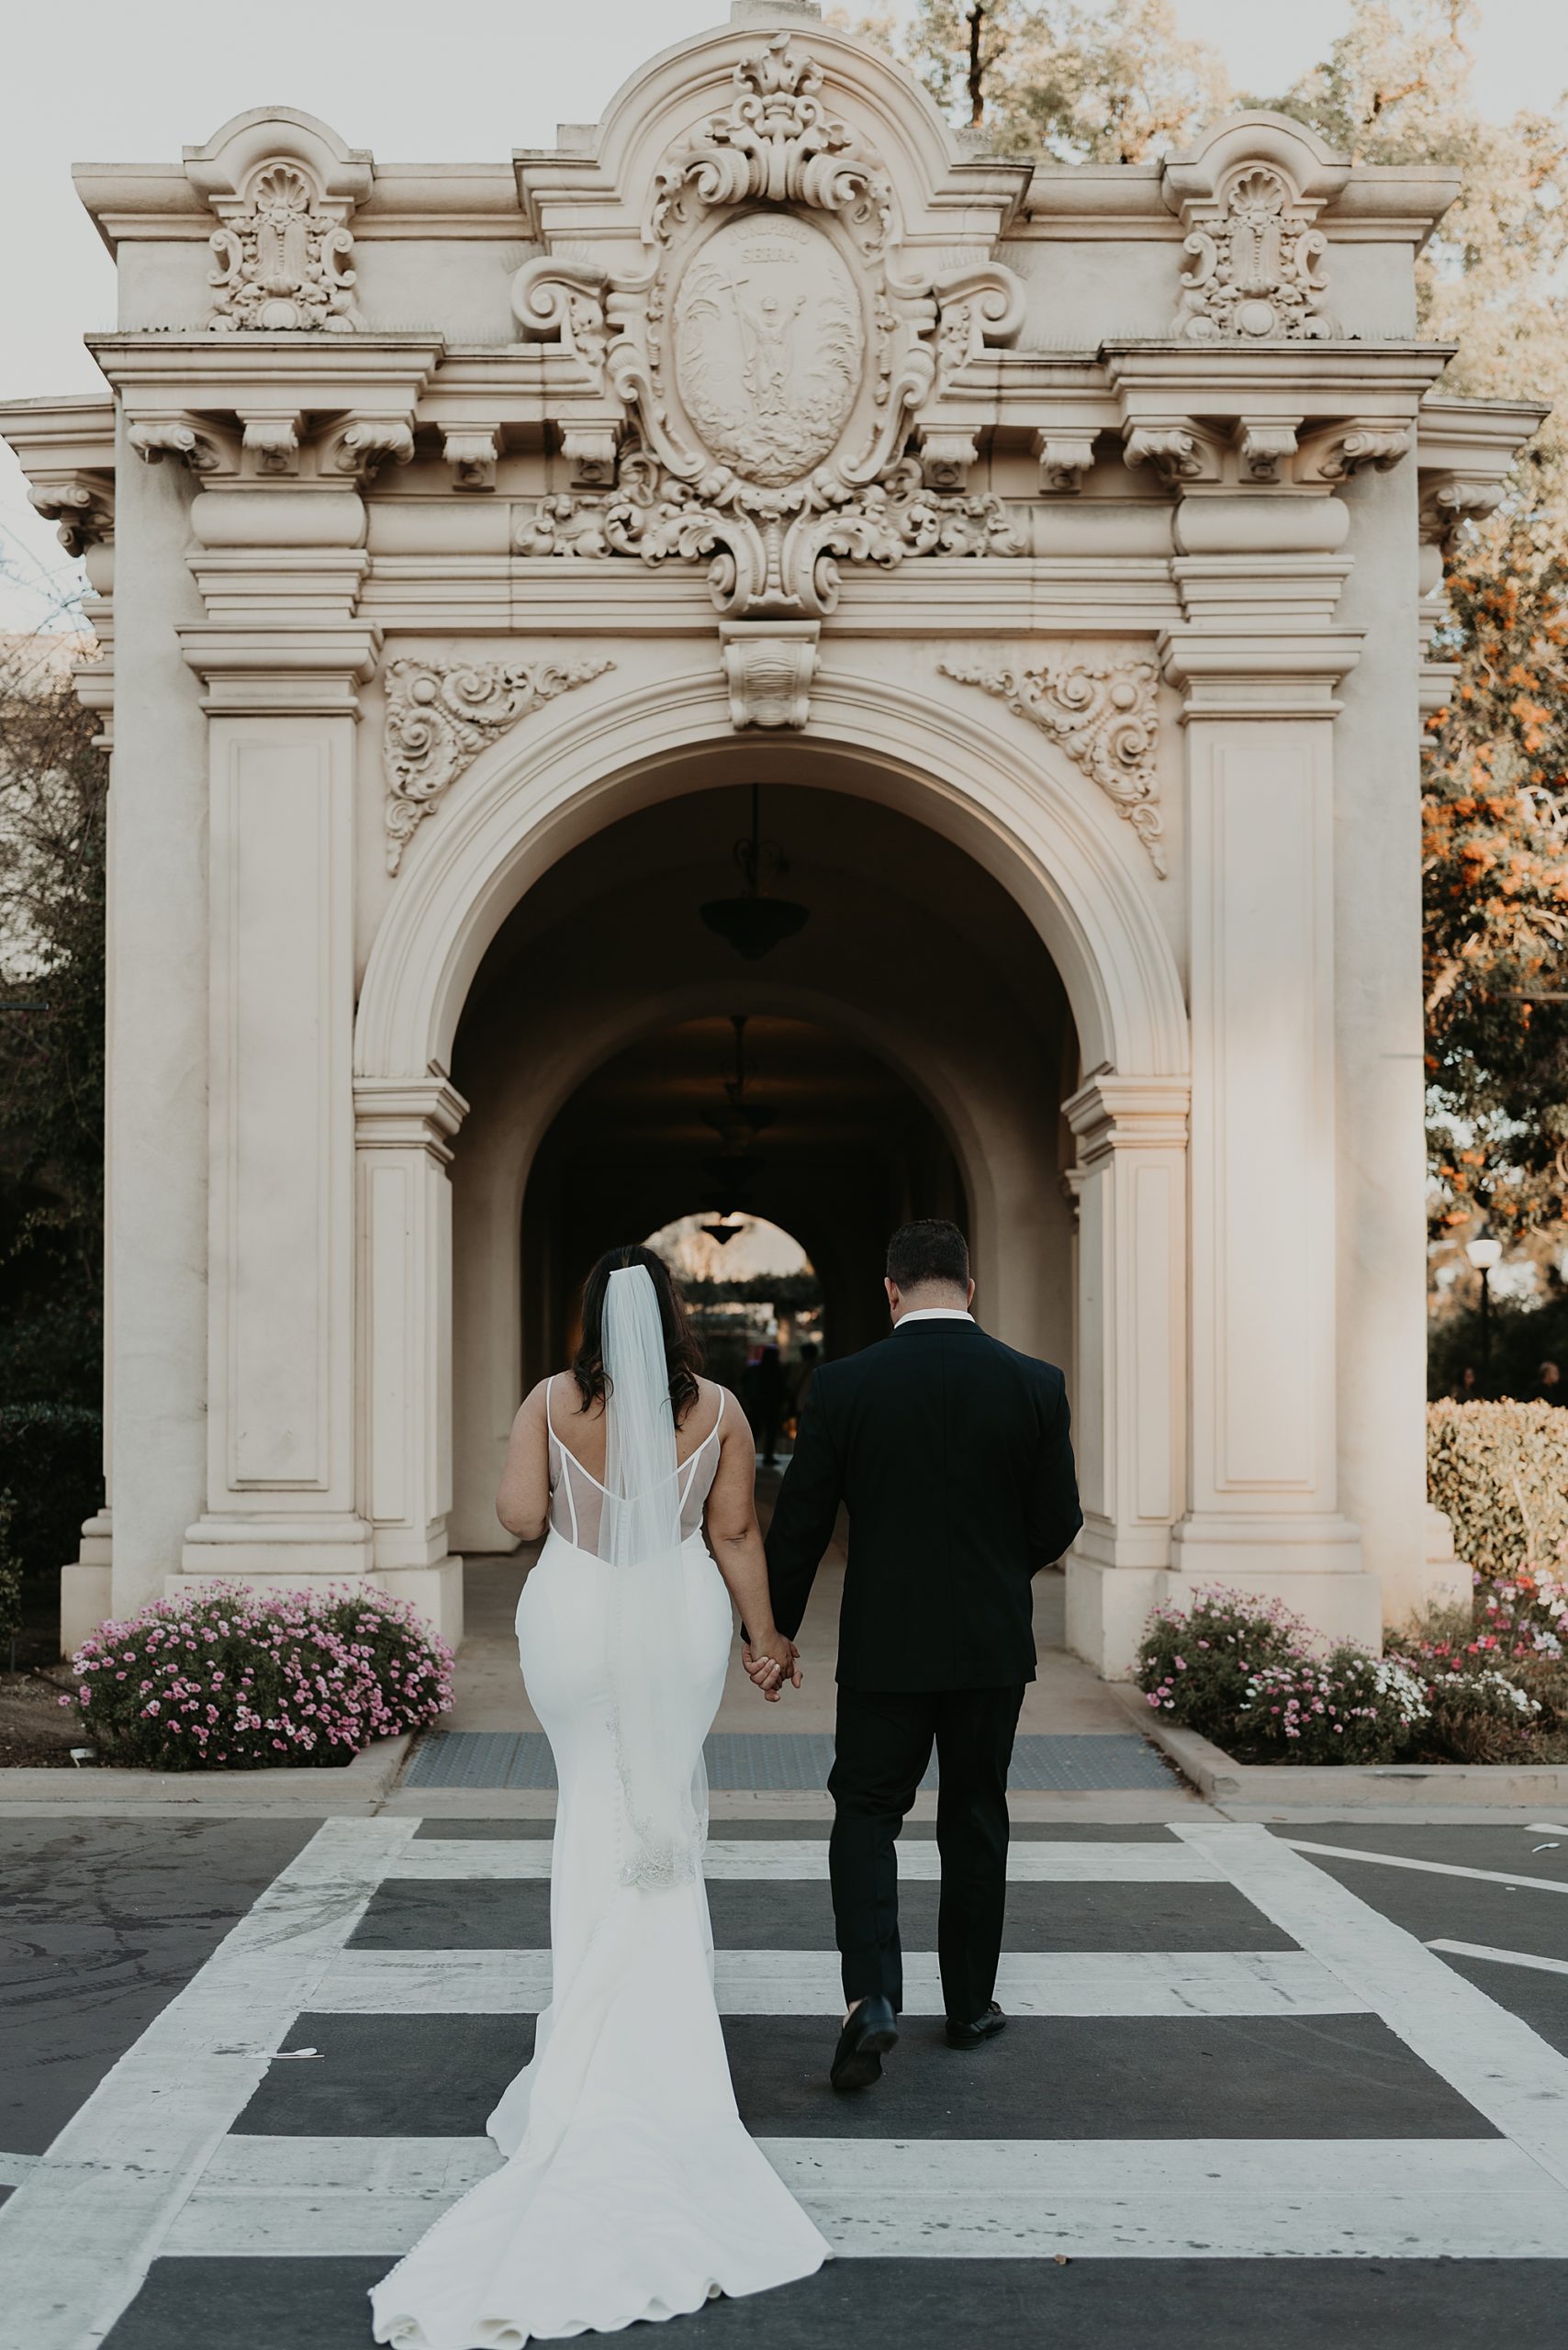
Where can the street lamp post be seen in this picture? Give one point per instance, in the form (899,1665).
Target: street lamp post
(1483,1253)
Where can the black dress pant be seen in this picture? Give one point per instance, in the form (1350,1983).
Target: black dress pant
(884,1744)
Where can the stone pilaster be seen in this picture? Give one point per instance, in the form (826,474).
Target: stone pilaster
(403,1135)
(1259,660)
(1129,1429)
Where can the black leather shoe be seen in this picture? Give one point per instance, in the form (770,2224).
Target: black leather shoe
(970,2035)
(866,2039)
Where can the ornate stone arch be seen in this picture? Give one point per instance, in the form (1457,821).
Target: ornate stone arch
(1020,812)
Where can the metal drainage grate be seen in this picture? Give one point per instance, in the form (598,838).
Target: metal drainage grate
(787,1762)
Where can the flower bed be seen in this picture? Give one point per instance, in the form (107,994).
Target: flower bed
(1249,1674)
(226,1676)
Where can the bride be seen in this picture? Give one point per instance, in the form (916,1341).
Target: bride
(629,2188)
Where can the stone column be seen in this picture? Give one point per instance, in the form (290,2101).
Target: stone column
(280,658)
(1259,659)
(157,1090)
(1129,1428)
(403,1134)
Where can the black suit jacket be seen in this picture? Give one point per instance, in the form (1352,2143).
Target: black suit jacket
(953,1456)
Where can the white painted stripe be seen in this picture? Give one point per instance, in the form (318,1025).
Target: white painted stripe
(1504,1957)
(1506,2070)
(767,1861)
(1428,1868)
(1545,1828)
(1021,2199)
(77,2235)
(14,2169)
(806,1982)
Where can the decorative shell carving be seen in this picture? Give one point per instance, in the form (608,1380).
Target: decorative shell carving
(1256,258)
(1102,714)
(282,260)
(440,716)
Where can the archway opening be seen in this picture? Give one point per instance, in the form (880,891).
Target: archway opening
(904,1053)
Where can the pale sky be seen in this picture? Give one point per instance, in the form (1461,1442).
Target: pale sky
(415,83)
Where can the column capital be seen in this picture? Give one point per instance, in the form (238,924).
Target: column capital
(272,672)
(1113,1112)
(408,1113)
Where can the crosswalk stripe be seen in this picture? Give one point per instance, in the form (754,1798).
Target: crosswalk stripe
(1504,1957)
(1090,2198)
(77,2234)
(1428,1868)
(1505,2071)
(806,1982)
(451,1858)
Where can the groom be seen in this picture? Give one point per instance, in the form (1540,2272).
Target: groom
(952,1456)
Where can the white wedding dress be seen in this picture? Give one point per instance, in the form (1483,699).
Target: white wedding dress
(630,2189)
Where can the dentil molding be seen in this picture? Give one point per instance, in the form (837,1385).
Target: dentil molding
(441,714)
(1102,714)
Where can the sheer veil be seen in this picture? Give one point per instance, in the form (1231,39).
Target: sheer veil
(657,1754)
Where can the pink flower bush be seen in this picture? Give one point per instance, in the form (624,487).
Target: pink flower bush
(1349,1707)
(1195,1667)
(232,1676)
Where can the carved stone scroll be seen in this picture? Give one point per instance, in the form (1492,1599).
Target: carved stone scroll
(441,715)
(1102,714)
(81,508)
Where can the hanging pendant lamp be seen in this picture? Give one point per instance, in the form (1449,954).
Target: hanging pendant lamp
(752,923)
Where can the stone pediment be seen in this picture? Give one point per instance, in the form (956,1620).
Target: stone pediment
(775,275)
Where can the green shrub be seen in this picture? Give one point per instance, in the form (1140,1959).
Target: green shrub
(52,1463)
(1484,1716)
(1500,1470)
(10,1574)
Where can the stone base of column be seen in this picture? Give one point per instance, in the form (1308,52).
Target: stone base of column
(436,1591)
(279,1549)
(1443,1580)
(1108,1606)
(85,1600)
(1107,1609)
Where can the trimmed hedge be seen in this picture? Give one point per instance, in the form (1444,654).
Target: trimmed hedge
(1500,1470)
(52,1465)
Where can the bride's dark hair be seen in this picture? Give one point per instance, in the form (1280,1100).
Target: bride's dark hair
(683,1354)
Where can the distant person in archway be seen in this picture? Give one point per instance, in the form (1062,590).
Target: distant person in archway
(764,1394)
(951,1453)
(810,1355)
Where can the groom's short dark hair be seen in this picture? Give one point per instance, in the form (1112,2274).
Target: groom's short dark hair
(928,1250)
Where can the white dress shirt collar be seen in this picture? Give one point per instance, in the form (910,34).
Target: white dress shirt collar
(934,1314)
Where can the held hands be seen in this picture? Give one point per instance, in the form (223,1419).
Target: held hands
(770,1663)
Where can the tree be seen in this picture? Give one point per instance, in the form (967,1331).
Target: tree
(53,792)
(1495,855)
(1396,88)
(1102,84)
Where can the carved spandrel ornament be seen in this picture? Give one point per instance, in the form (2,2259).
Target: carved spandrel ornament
(771,363)
(283,257)
(441,715)
(1102,713)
